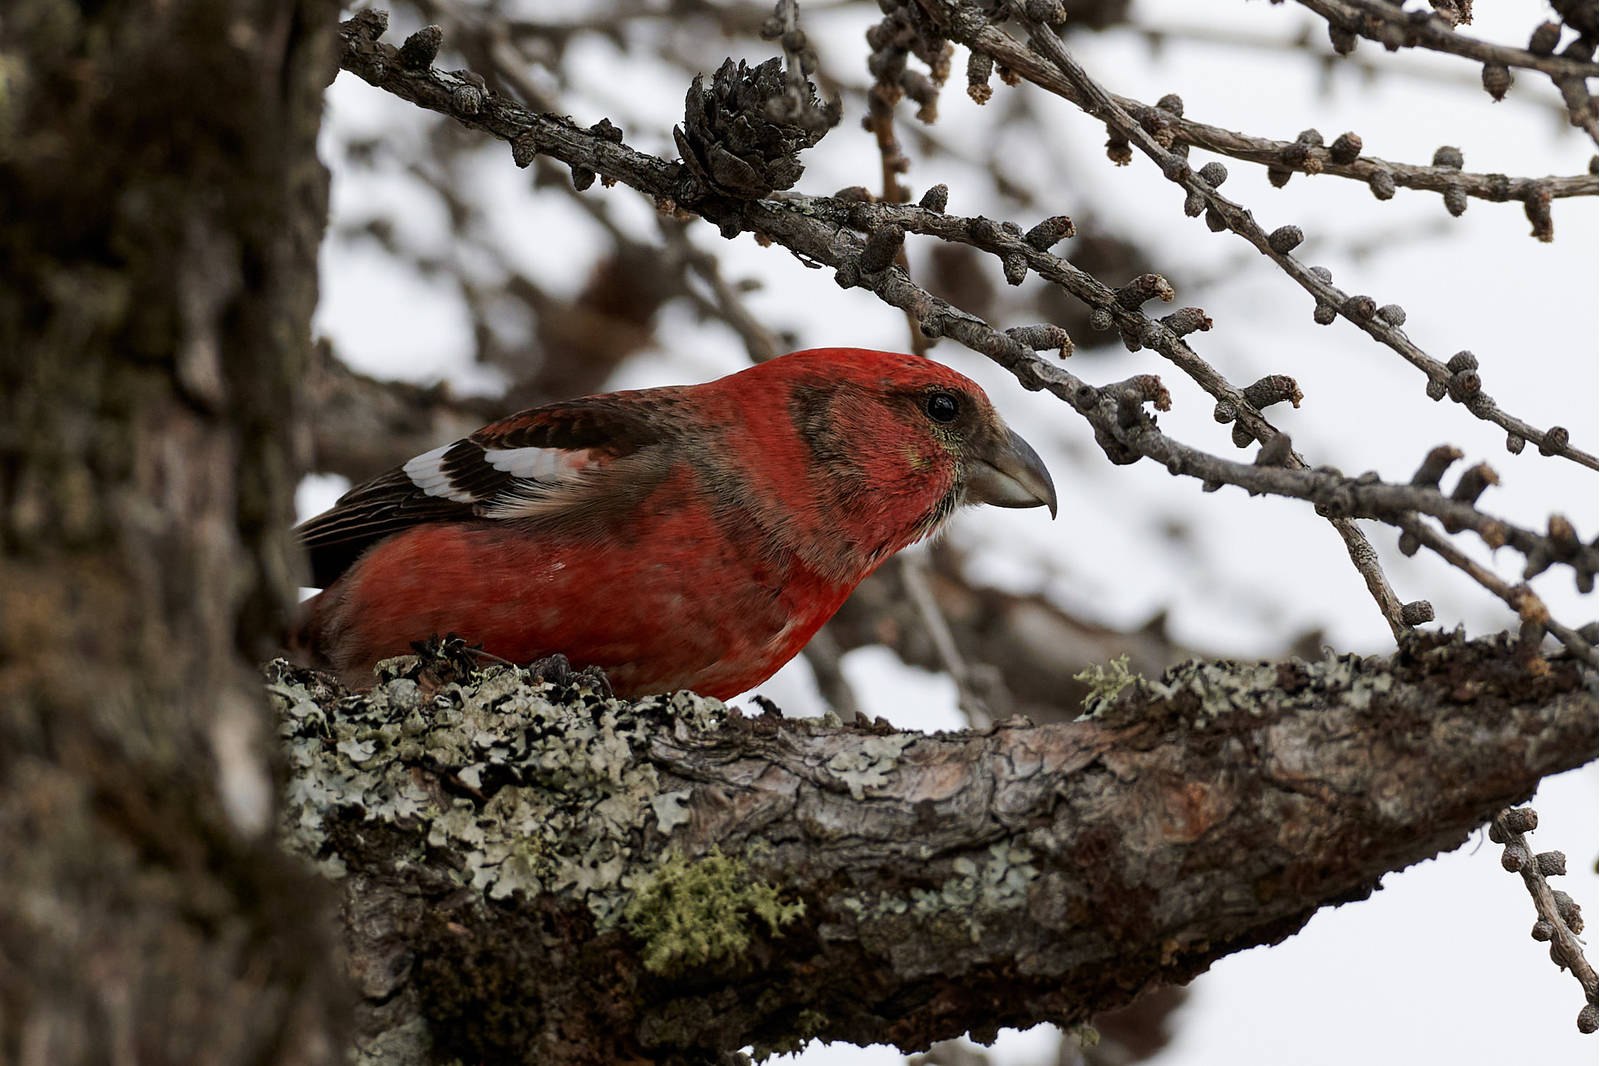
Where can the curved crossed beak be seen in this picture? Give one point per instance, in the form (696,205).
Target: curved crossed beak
(1009,473)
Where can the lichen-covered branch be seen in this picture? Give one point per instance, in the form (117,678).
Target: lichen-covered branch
(536,873)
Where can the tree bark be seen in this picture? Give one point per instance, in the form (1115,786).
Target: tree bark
(163,207)
(538,874)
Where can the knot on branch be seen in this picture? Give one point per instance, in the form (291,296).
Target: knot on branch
(1561,544)
(1187,320)
(1346,148)
(369,24)
(1144,288)
(1128,413)
(1050,232)
(421,48)
(1416,613)
(883,245)
(1277,450)
(743,135)
(1273,389)
(1300,155)
(1043,338)
(1434,465)
(1537,206)
(1474,482)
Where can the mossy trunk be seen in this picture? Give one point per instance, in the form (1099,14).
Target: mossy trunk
(160,208)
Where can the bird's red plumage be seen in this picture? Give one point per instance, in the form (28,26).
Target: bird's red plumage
(691,537)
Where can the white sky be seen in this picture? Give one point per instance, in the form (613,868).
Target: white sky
(1437,967)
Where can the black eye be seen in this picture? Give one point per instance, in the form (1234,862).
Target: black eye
(942,406)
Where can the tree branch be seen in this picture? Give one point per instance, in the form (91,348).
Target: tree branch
(1560,921)
(1395,28)
(535,873)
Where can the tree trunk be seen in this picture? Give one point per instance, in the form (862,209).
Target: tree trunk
(163,205)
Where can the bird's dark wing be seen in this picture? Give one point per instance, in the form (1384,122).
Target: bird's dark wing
(536,463)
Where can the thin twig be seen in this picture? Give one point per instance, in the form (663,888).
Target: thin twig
(969,27)
(913,572)
(1520,598)
(1557,923)
(824,655)
(1359,64)
(1424,29)
(1394,27)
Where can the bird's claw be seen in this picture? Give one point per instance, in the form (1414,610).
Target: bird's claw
(557,670)
(448,658)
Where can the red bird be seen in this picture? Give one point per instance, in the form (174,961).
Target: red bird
(685,537)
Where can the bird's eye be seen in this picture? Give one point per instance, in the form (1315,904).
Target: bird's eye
(942,406)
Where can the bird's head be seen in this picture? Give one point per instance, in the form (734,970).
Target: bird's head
(894,443)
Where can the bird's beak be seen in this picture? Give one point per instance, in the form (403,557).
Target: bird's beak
(1010,473)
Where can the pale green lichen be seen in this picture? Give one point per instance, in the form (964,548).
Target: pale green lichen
(672,809)
(868,764)
(1221,688)
(997,883)
(688,912)
(1105,683)
(992,884)
(527,790)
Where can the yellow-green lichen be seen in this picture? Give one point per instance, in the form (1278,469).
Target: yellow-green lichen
(1105,683)
(689,912)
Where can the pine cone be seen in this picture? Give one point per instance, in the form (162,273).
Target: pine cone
(743,136)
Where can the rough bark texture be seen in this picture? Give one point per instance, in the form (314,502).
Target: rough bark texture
(537,874)
(163,205)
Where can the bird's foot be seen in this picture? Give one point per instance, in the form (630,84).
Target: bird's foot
(557,670)
(447,659)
